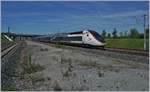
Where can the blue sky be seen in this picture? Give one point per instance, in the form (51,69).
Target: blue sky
(46,17)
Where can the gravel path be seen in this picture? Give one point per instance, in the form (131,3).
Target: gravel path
(70,69)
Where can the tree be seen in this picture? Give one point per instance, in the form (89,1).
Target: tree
(134,33)
(114,33)
(126,34)
(104,33)
(109,35)
(121,34)
(141,35)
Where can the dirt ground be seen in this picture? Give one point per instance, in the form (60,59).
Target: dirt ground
(74,70)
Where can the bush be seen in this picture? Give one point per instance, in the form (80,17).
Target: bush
(29,67)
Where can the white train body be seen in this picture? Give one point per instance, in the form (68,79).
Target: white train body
(87,37)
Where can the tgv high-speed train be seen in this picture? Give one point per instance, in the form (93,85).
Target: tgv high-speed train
(86,37)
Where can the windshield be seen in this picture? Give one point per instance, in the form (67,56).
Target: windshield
(97,36)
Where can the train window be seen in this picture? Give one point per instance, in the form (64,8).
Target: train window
(97,36)
(77,38)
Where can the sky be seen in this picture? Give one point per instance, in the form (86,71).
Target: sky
(47,17)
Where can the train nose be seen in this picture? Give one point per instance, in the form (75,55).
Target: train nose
(102,44)
(97,43)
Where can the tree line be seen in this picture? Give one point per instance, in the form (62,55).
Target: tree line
(133,33)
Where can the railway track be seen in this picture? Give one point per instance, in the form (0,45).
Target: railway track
(129,56)
(129,51)
(119,50)
(10,58)
(4,46)
(5,50)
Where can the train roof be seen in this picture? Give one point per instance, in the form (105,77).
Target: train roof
(43,36)
(79,32)
(61,34)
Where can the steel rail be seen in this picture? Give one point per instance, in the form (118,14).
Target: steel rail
(120,50)
(7,50)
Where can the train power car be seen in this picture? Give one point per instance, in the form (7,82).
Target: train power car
(86,37)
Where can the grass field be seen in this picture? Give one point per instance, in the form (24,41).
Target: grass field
(126,43)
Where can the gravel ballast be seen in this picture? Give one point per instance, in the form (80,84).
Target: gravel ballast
(77,70)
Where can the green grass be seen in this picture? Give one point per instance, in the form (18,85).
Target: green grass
(59,46)
(126,43)
(30,67)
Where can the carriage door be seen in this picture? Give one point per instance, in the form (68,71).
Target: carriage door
(85,37)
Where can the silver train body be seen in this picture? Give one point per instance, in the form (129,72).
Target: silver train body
(86,37)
